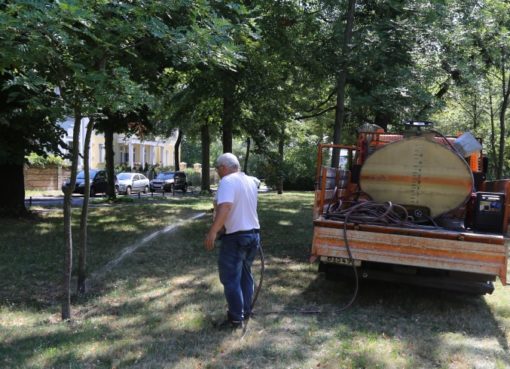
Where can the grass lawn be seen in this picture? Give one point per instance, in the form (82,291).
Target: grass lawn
(157,307)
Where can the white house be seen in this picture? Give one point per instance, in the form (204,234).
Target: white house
(131,151)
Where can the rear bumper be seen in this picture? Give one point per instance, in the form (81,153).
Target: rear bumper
(80,190)
(484,254)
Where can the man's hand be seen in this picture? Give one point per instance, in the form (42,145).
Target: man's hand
(222,212)
(209,240)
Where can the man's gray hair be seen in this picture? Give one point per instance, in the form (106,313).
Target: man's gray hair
(229,160)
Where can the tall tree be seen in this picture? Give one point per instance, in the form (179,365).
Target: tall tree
(28,103)
(476,48)
(68,235)
(27,124)
(177,148)
(341,80)
(205,139)
(82,247)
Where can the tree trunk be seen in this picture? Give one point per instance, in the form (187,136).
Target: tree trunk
(247,156)
(12,189)
(341,81)
(475,111)
(109,161)
(82,247)
(229,85)
(176,149)
(493,134)
(281,144)
(501,154)
(383,119)
(206,157)
(68,234)
(505,86)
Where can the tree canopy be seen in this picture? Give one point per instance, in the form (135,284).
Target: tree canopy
(254,70)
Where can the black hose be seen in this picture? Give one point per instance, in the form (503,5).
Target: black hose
(257,290)
(351,260)
(374,213)
(262,269)
(361,212)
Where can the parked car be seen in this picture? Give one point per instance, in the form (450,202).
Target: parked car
(169,181)
(98,182)
(256,180)
(132,182)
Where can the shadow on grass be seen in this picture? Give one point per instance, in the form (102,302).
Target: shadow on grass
(156,310)
(35,247)
(435,325)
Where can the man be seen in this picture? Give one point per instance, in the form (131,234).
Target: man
(236,212)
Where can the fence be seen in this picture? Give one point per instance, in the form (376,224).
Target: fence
(45,179)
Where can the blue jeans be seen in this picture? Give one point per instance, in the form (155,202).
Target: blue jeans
(236,256)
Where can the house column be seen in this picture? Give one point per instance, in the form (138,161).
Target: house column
(163,156)
(142,156)
(152,155)
(130,151)
(81,141)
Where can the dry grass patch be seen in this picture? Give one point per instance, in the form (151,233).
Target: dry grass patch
(157,307)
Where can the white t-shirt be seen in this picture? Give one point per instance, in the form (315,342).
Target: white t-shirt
(240,190)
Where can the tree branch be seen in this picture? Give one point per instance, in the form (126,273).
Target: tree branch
(316,114)
(333,92)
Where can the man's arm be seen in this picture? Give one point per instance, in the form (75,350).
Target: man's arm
(222,211)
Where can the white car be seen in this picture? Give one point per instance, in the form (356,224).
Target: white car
(132,182)
(256,180)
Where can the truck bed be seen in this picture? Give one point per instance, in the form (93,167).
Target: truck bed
(429,248)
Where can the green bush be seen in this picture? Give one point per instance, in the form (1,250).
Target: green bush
(121,168)
(195,178)
(35,160)
(297,170)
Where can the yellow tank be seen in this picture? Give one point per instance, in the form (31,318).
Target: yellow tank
(417,171)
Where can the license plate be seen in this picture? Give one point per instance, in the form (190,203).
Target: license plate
(337,260)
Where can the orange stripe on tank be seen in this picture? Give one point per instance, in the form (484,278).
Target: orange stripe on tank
(423,180)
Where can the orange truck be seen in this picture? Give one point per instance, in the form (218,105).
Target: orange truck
(412,207)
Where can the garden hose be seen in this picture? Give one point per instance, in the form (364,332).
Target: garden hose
(302,311)
(259,287)
(360,212)
(262,269)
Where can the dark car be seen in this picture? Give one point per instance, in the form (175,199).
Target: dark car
(98,182)
(169,181)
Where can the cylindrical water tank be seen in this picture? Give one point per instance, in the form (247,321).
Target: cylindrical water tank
(417,171)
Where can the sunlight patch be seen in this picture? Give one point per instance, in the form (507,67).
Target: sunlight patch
(285,222)
(18,318)
(458,350)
